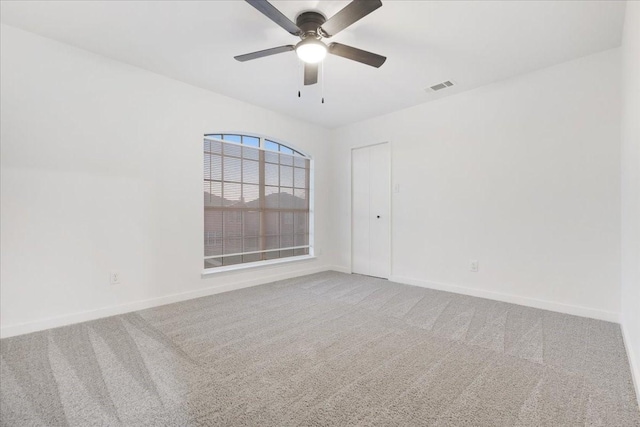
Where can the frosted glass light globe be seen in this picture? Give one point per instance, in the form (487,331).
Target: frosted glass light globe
(311,50)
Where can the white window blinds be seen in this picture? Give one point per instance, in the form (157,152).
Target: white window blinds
(256,201)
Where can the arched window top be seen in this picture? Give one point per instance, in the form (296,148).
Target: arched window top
(255,141)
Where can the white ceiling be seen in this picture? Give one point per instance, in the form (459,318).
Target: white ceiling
(470,42)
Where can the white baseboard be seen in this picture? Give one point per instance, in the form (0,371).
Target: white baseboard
(593,313)
(54,322)
(340,269)
(83,316)
(633,361)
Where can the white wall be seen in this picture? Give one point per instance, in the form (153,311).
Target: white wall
(631,186)
(522,175)
(101,170)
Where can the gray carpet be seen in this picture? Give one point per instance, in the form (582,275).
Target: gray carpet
(325,349)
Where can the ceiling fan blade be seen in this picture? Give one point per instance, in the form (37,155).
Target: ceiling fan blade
(355,54)
(275,15)
(310,74)
(263,53)
(352,12)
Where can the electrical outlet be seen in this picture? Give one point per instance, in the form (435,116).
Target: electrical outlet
(473,265)
(114,278)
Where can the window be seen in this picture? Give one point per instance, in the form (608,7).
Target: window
(257,196)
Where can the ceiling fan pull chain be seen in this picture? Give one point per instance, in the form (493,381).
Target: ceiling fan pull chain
(322,80)
(301,74)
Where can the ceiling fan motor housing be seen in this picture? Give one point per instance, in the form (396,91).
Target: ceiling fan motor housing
(309,22)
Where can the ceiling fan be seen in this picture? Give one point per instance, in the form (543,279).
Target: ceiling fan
(312,27)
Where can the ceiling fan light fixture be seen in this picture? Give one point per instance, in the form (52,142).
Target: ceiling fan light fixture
(311,50)
(312,27)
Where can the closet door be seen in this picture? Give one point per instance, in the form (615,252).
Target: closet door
(371,222)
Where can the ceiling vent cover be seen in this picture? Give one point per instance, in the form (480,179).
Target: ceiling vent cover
(441,86)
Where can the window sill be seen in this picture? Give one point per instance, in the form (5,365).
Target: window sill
(250,265)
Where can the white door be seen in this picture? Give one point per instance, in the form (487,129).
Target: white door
(370,221)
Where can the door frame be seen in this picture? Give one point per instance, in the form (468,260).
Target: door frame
(389,194)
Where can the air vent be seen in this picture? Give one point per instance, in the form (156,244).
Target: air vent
(441,86)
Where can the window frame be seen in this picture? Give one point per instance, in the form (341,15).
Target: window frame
(262,146)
